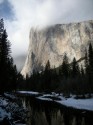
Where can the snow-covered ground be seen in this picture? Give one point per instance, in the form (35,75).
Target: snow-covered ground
(28,92)
(9,109)
(86,104)
(3,113)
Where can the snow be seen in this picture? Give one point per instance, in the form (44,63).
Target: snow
(4,114)
(3,101)
(86,104)
(20,124)
(48,97)
(28,92)
(10,95)
(45,99)
(3,104)
(11,108)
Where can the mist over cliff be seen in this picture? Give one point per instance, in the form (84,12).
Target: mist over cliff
(52,42)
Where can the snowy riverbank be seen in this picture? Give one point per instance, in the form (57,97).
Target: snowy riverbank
(11,111)
(84,104)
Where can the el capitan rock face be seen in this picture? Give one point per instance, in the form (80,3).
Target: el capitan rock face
(51,43)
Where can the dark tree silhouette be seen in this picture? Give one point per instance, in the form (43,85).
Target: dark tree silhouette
(75,68)
(90,71)
(82,71)
(47,76)
(8,72)
(86,63)
(65,68)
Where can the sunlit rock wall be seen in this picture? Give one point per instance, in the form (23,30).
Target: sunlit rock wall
(53,42)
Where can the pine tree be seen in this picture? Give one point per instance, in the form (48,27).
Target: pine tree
(4,59)
(1,27)
(1,32)
(75,68)
(5,48)
(65,68)
(8,72)
(82,71)
(90,56)
(47,67)
(86,63)
(47,76)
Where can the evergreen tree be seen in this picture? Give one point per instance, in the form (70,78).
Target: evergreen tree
(1,32)
(1,27)
(75,68)
(8,72)
(47,77)
(82,71)
(90,56)
(5,48)
(47,67)
(86,63)
(65,68)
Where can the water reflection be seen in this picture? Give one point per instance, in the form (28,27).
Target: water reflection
(48,113)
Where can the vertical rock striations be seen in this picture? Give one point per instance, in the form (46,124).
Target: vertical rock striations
(52,42)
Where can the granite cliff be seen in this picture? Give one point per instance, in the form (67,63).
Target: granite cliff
(51,43)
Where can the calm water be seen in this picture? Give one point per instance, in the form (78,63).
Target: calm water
(48,113)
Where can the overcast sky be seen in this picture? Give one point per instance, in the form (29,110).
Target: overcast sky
(21,15)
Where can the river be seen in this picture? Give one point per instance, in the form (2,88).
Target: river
(51,113)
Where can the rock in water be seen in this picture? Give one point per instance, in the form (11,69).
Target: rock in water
(52,42)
